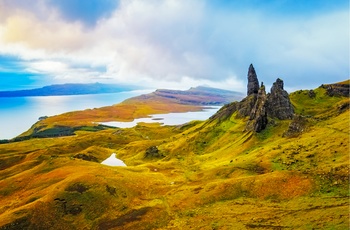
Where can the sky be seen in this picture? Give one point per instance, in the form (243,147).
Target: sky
(173,44)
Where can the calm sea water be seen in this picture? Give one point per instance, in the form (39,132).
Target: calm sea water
(18,114)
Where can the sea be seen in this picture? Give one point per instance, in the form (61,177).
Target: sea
(18,114)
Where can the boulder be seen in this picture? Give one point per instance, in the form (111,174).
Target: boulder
(153,152)
(296,127)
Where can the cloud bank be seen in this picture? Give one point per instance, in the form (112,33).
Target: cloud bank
(175,44)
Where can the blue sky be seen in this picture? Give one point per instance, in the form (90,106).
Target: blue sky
(173,43)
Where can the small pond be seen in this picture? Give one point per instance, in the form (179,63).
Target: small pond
(113,161)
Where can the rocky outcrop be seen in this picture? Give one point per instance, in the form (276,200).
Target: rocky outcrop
(278,103)
(275,105)
(253,83)
(259,106)
(153,152)
(339,89)
(344,106)
(296,127)
(258,116)
(85,157)
(311,94)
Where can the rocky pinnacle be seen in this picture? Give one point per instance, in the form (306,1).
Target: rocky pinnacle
(253,82)
(278,102)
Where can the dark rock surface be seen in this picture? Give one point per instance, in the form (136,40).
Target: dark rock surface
(344,107)
(246,106)
(85,157)
(278,102)
(258,105)
(243,108)
(258,116)
(337,89)
(253,82)
(153,152)
(77,187)
(312,94)
(296,127)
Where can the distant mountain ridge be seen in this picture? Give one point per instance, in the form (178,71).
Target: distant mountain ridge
(68,89)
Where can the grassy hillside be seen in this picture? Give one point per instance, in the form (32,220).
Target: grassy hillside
(206,175)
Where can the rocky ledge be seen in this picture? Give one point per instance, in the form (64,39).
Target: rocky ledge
(338,89)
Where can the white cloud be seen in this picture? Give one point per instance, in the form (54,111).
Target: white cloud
(51,67)
(172,43)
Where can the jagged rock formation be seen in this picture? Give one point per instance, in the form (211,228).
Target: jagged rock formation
(278,103)
(258,116)
(253,83)
(259,106)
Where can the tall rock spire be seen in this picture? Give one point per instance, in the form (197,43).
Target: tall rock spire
(253,82)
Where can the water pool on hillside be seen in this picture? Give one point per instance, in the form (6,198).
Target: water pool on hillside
(167,119)
(113,161)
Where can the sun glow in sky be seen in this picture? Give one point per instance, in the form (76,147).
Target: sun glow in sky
(173,43)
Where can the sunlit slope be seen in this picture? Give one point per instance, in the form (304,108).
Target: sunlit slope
(204,175)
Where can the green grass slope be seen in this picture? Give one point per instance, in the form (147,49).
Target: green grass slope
(206,175)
